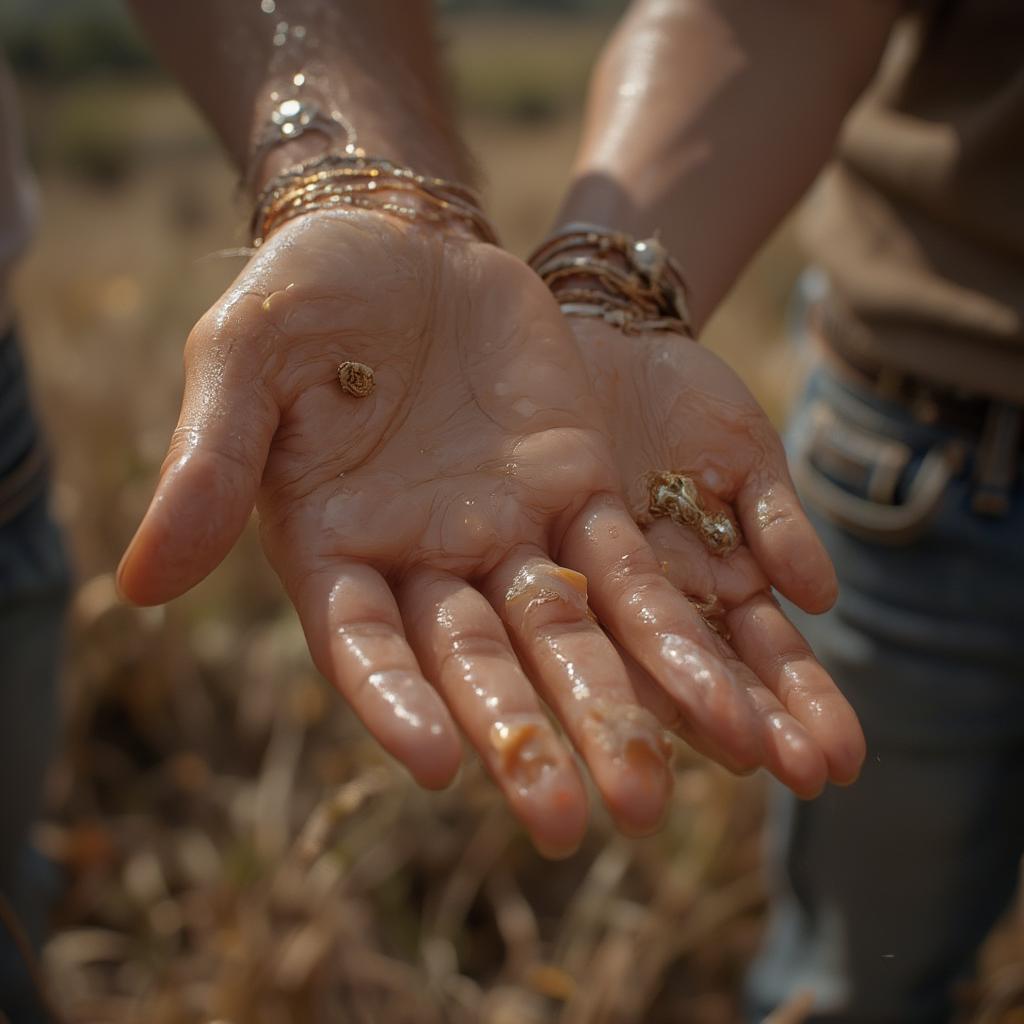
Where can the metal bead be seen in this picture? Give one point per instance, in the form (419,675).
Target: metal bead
(719,534)
(649,257)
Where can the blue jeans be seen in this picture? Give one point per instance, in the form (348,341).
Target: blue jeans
(33,596)
(885,889)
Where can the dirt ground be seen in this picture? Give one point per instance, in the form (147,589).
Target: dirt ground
(235,849)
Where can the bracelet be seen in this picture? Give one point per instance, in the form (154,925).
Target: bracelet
(334,180)
(632,284)
(291,118)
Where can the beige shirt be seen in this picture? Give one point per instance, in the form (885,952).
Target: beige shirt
(920,221)
(18,200)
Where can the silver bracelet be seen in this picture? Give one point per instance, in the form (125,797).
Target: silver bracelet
(292,118)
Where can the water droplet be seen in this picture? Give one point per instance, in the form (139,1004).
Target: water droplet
(268,6)
(298,78)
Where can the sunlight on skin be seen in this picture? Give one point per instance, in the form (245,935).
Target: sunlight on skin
(401,522)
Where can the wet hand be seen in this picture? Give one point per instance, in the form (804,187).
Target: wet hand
(435,535)
(762,698)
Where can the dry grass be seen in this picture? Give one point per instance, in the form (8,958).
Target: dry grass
(236,849)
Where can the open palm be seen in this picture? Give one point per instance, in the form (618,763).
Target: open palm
(455,542)
(436,536)
(677,407)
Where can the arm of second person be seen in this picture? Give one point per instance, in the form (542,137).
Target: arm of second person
(706,121)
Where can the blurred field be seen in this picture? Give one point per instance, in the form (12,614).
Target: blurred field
(236,849)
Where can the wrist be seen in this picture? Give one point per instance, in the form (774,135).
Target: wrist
(597,197)
(298,127)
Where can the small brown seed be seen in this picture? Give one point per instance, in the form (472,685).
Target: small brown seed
(356,379)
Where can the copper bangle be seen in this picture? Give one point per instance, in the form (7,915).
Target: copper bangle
(631,283)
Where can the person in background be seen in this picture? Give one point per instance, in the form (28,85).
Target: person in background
(34,589)
(709,119)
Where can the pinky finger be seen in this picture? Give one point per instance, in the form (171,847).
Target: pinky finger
(773,647)
(354,631)
(784,542)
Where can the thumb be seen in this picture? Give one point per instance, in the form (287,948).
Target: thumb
(209,479)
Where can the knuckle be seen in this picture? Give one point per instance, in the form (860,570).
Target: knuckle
(472,647)
(365,629)
(634,570)
(556,631)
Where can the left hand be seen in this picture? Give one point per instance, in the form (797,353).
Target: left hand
(675,406)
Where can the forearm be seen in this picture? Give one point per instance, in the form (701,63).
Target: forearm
(377,64)
(707,119)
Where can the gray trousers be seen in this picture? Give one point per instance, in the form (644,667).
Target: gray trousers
(884,890)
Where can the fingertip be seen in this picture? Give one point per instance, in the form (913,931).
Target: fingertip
(833,723)
(139,579)
(640,810)
(435,760)
(553,810)
(788,548)
(809,775)
(800,569)
(637,791)
(818,590)
(795,758)
(846,761)
(559,835)
(408,718)
(554,851)
(199,510)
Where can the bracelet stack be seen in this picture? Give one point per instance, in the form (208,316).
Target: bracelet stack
(632,284)
(336,181)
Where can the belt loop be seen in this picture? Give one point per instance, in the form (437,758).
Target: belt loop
(996,459)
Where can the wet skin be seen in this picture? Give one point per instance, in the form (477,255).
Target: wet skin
(424,532)
(677,406)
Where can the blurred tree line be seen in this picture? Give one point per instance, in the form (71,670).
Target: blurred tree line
(61,39)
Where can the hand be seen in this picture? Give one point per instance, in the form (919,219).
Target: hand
(677,407)
(422,531)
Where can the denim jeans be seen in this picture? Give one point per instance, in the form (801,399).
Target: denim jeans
(885,889)
(33,597)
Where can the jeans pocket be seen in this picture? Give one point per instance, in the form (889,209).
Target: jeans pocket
(867,475)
